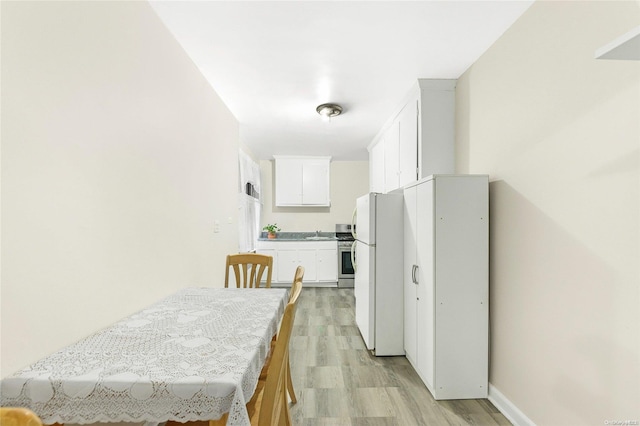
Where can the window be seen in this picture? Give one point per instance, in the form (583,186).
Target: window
(249,200)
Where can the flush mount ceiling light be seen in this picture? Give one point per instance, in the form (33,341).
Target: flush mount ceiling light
(329,110)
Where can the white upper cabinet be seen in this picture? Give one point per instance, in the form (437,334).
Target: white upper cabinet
(376,168)
(408,143)
(418,140)
(391,157)
(288,182)
(302,181)
(436,130)
(315,183)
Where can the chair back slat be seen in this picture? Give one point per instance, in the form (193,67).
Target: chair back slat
(249,268)
(257,273)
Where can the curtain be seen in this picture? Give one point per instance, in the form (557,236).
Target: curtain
(249,200)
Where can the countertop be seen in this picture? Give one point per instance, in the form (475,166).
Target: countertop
(300,236)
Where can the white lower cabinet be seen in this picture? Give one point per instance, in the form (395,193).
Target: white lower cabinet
(446,292)
(290,257)
(319,259)
(327,264)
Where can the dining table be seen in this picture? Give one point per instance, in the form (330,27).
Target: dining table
(194,355)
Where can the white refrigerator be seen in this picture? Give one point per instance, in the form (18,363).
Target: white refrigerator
(378,263)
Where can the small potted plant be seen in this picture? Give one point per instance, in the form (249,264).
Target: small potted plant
(271,230)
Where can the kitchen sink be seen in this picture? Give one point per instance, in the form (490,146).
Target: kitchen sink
(318,238)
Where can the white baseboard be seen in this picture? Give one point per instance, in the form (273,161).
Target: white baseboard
(329,284)
(507,408)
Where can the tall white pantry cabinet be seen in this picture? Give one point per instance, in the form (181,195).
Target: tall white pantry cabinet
(446,286)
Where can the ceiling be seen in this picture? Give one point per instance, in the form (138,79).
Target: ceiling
(274,62)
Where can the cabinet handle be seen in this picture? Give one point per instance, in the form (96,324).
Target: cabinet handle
(416,274)
(413,274)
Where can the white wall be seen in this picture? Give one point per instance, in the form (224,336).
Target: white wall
(559,134)
(117,156)
(349,180)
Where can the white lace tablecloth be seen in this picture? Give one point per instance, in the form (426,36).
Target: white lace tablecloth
(192,356)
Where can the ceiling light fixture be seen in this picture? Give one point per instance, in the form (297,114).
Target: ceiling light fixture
(329,110)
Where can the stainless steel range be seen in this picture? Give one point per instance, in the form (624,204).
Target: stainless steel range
(346,274)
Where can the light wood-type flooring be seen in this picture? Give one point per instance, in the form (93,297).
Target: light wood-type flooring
(338,382)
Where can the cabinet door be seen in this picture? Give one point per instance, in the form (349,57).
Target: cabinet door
(461,206)
(391,152)
(287,264)
(327,261)
(425,313)
(408,145)
(288,182)
(307,258)
(315,183)
(437,127)
(376,167)
(410,289)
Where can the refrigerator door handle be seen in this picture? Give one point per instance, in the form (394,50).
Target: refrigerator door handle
(353,257)
(353,222)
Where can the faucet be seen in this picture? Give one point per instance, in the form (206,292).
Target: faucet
(318,233)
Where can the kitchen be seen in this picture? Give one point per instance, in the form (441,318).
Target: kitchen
(532,112)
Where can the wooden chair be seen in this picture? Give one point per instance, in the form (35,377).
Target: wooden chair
(269,405)
(297,278)
(274,409)
(14,416)
(248,269)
